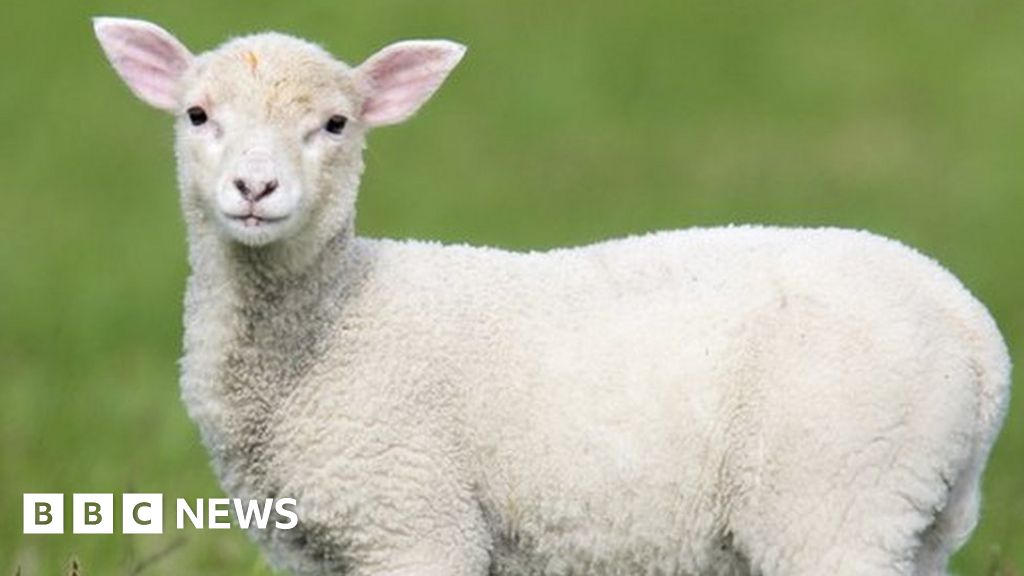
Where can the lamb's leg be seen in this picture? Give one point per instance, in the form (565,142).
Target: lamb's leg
(397,549)
(929,549)
(449,567)
(452,548)
(863,500)
(850,453)
(952,525)
(406,520)
(892,513)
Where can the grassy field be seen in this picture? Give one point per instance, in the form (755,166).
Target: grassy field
(568,122)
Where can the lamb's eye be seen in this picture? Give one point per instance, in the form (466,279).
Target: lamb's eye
(197,116)
(335,124)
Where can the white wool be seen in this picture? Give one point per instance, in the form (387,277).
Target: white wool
(717,401)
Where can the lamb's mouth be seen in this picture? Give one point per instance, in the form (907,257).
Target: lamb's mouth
(252,220)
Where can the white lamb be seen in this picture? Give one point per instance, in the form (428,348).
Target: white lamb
(703,402)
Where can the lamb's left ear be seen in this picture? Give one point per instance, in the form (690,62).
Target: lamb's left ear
(148,58)
(401,77)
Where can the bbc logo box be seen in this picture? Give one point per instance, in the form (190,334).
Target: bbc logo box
(93,513)
(43,514)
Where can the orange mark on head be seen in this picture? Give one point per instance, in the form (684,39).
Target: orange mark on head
(251,59)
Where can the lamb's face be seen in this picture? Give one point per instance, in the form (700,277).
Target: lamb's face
(268,136)
(270,128)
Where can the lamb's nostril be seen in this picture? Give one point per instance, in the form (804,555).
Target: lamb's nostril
(241,186)
(268,188)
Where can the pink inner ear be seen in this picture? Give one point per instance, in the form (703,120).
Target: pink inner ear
(403,76)
(147,58)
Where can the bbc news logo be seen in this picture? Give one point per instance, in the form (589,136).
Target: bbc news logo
(144,513)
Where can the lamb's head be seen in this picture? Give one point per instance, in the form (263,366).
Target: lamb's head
(270,128)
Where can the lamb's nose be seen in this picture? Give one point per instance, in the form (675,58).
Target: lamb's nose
(254,190)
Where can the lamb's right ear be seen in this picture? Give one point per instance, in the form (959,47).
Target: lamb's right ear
(149,59)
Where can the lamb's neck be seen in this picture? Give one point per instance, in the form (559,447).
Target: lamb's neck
(253,329)
(268,278)
(264,286)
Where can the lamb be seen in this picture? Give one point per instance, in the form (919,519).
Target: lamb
(724,401)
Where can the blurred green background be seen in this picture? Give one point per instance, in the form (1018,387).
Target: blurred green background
(568,122)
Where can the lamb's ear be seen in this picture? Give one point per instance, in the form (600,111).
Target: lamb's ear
(401,77)
(149,59)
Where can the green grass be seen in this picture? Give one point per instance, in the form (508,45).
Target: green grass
(568,122)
